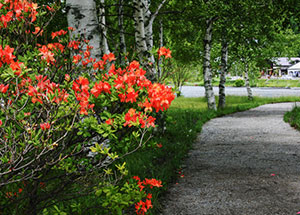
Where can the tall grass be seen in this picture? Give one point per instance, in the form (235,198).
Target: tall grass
(185,119)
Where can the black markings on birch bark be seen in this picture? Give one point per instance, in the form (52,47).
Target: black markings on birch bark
(83,17)
(224,54)
(247,82)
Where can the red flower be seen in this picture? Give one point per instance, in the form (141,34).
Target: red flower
(77,58)
(99,87)
(153,182)
(37,30)
(159,145)
(1,123)
(110,57)
(74,44)
(71,29)
(45,126)
(109,122)
(3,89)
(164,52)
(67,77)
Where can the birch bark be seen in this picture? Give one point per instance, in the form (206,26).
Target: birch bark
(161,44)
(83,17)
(247,82)
(144,20)
(222,97)
(140,28)
(123,49)
(104,43)
(207,74)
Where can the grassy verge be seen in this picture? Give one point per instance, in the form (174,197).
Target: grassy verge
(185,119)
(293,117)
(258,83)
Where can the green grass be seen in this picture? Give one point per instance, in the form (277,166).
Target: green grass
(258,83)
(185,119)
(293,117)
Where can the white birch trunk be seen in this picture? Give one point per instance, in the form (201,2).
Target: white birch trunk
(104,43)
(83,17)
(140,29)
(247,82)
(207,74)
(161,44)
(144,32)
(123,49)
(222,97)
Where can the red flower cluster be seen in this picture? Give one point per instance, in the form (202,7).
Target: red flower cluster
(46,54)
(3,88)
(16,11)
(81,89)
(58,33)
(163,51)
(99,87)
(132,117)
(160,97)
(110,57)
(45,90)
(77,59)
(142,207)
(55,47)
(74,44)
(6,56)
(45,126)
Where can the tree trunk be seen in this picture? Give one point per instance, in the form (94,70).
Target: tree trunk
(104,43)
(247,83)
(122,35)
(222,97)
(161,44)
(83,17)
(144,33)
(207,74)
(140,37)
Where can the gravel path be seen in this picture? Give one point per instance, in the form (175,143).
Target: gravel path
(244,163)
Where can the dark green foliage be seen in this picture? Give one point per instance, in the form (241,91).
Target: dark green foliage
(239,83)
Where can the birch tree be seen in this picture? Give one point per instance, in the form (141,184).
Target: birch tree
(144,20)
(207,74)
(224,62)
(247,82)
(103,27)
(82,16)
(122,45)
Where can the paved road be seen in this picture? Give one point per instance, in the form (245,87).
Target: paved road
(193,91)
(247,163)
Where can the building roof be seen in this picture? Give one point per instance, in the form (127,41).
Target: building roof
(285,61)
(295,67)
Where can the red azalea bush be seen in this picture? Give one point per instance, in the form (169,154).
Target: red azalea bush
(66,123)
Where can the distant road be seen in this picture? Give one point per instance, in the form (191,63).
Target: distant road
(194,91)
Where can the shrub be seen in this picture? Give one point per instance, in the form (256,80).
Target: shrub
(66,124)
(239,83)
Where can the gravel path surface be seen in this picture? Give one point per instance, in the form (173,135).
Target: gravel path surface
(244,163)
